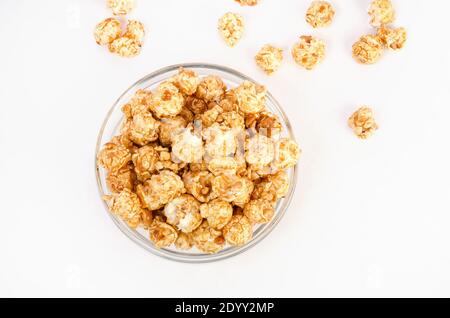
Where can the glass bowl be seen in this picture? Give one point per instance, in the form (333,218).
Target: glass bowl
(110,128)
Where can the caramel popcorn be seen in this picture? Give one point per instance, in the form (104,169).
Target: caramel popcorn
(196,105)
(238,231)
(187,81)
(287,153)
(232,119)
(266,123)
(223,165)
(259,150)
(211,88)
(171,127)
(162,234)
(309,52)
(146,219)
(381,12)
(259,211)
(126,205)
(219,142)
(208,239)
(184,241)
(145,160)
(251,97)
(229,187)
(363,122)
(231,27)
(393,39)
(243,196)
(138,104)
(199,184)
(247,2)
(320,14)
(217,212)
(135,30)
(121,7)
(184,213)
(124,178)
(142,128)
(166,101)
(368,49)
(187,147)
(113,156)
(125,46)
(269,58)
(107,31)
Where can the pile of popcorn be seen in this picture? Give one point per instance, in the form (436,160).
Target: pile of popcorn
(198,164)
(109,31)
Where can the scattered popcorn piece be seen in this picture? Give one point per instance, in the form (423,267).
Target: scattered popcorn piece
(393,39)
(208,239)
(251,97)
(125,46)
(231,27)
(269,58)
(247,2)
(135,30)
(320,14)
(368,49)
(107,31)
(126,205)
(287,153)
(217,212)
(211,88)
(363,122)
(309,52)
(184,213)
(166,101)
(121,7)
(238,231)
(259,211)
(162,234)
(113,156)
(381,12)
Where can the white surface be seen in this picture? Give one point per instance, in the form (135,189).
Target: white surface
(370,218)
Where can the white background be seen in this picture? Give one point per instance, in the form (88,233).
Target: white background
(370,218)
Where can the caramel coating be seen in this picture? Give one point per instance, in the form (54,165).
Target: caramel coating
(363,122)
(259,150)
(247,2)
(208,239)
(145,160)
(231,28)
(166,101)
(113,156)
(217,212)
(170,127)
(127,206)
(251,97)
(162,234)
(309,52)
(107,31)
(393,39)
(187,147)
(184,213)
(320,14)
(238,231)
(381,12)
(120,7)
(124,178)
(269,58)
(199,184)
(125,46)
(259,211)
(187,81)
(142,128)
(211,88)
(287,153)
(135,30)
(368,49)
(184,241)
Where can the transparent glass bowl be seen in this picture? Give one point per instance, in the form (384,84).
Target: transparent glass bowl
(110,128)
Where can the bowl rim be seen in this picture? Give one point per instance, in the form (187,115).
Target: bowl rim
(195,258)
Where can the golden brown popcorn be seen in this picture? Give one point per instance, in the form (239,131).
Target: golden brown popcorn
(247,2)
(243,196)
(125,46)
(279,182)
(187,115)
(184,241)
(142,128)
(135,30)
(363,122)
(113,156)
(238,231)
(229,101)
(146,218)
(223,165)
(268,124)
(393,39)
(309,52)
(187,147)
(187,81)
(368,49)
(231,27)
(196,105)
(219,142)
(160,189)
(107,31)
(217,212)
(210,116)
(211,88)
(199,184)
(121,7)
(251,97)
(166,101)
(232,119)
(184,213)
(259,150)
(170,127)
(124,178)
(144,161)
(381,12)
(287,153)
(320,14)
(139,103)
(230,187)
(269,58)
(264,190)
(208,239)
(125,205)
(162,234)
(259,211)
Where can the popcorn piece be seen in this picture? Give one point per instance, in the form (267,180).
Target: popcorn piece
(224,165)
(113,156)
(269,58)
(219,142)
(162,234)
(121,7)
(280,183)
(135,30)
(368,49)
(196,105)
(166,101)
(211,88)
(266,123)
(231,27)
(139,103)
(124,178)
(217,212)
(187,81)
(259,150)
(199,184)
(247,2)
(187,115)
(363,122)
(125,46)
(184,213)
(145,160)
(229,102)
(142,128)
(210,116)
(208,239)
(393,39)
(238,231)
(287,153)
(146,219)
(309,52)
(232,119)
(126,205)
(381,12)
(243,196)
(259,211)
(251,97)
(187,147)
(160,189)
(107,31)
(171,127)
(320,14)
(230,187)
(184,241)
